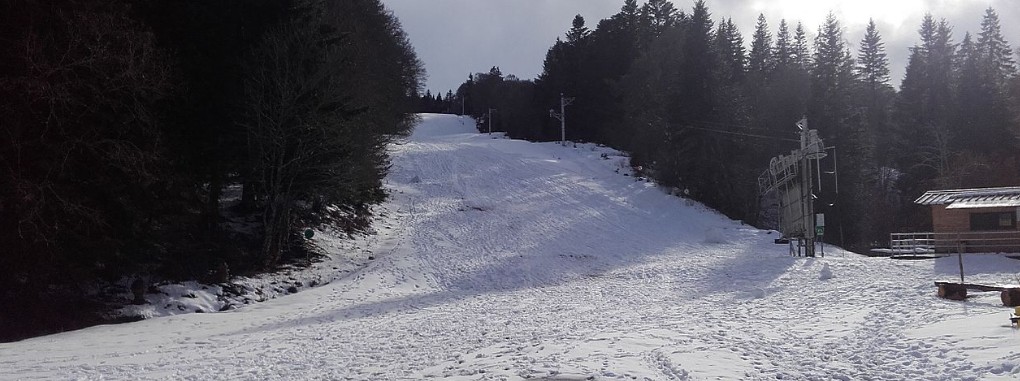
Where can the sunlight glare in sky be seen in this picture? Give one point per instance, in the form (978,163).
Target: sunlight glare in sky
(457,37)
(892,13)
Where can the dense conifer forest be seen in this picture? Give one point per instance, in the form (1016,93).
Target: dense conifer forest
(700,110)
(131,130)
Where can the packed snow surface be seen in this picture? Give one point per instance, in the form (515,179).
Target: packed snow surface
(514,260)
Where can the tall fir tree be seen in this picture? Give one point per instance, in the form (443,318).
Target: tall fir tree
(996,54)
(801,48)
(729,44)
(875,94)
(972,94)
(933,99)
(922,137)
(578,32)
(704,99)
(873,65)
(983,119)
(698,63)
(785,101)
(614,45)
(996,64)
(832,76)
(760,59)
(657,16)
(782,54)
(873,98)
(831,112)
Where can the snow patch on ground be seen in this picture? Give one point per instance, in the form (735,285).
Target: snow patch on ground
(178,298)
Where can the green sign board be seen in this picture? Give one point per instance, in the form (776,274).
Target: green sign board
(819,230)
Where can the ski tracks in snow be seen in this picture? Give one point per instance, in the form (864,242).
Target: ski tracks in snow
(515,260)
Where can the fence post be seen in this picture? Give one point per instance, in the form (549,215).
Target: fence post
(959,255)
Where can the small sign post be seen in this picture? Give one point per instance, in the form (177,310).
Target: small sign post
(820,230)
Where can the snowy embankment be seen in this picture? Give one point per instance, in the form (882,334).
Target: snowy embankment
(516,260)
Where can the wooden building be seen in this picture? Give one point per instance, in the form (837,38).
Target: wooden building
(974,220)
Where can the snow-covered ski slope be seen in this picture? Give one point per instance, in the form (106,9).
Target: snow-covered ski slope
(517,260)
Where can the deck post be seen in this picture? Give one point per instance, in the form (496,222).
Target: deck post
(959,255)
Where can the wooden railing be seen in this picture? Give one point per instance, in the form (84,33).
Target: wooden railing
(956,242)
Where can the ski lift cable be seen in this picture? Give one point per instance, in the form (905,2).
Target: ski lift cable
(743,126)
(743,134)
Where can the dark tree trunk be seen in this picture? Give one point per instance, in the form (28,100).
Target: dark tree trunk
(277,230)
(247,196)
(212,205)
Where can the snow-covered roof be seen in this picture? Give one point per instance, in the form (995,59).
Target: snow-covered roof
(972,198)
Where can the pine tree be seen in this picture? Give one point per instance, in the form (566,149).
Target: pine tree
(996,54)
(801,50)
(613,47)
(971,93)
(729,44)
(785,100)
(986,69)
(760,59)
(832,76)
(873,99)
(697,156)
(831,112)
(578,31)
(923,108)
(647,103)
(876,94)
(426,101)
(941,56)
(464,92)
(577,68)
(734,160)
(659,15)
(629,9)
(873,66)
(772,91)
(782,54)
(698,64)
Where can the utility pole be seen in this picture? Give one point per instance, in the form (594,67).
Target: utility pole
(491,110)
(564,102)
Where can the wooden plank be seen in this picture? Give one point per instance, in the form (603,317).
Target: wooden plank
(975,287)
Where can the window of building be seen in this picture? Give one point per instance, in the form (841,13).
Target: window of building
(992,221)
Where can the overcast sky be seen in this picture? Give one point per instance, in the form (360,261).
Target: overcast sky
(457,37)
